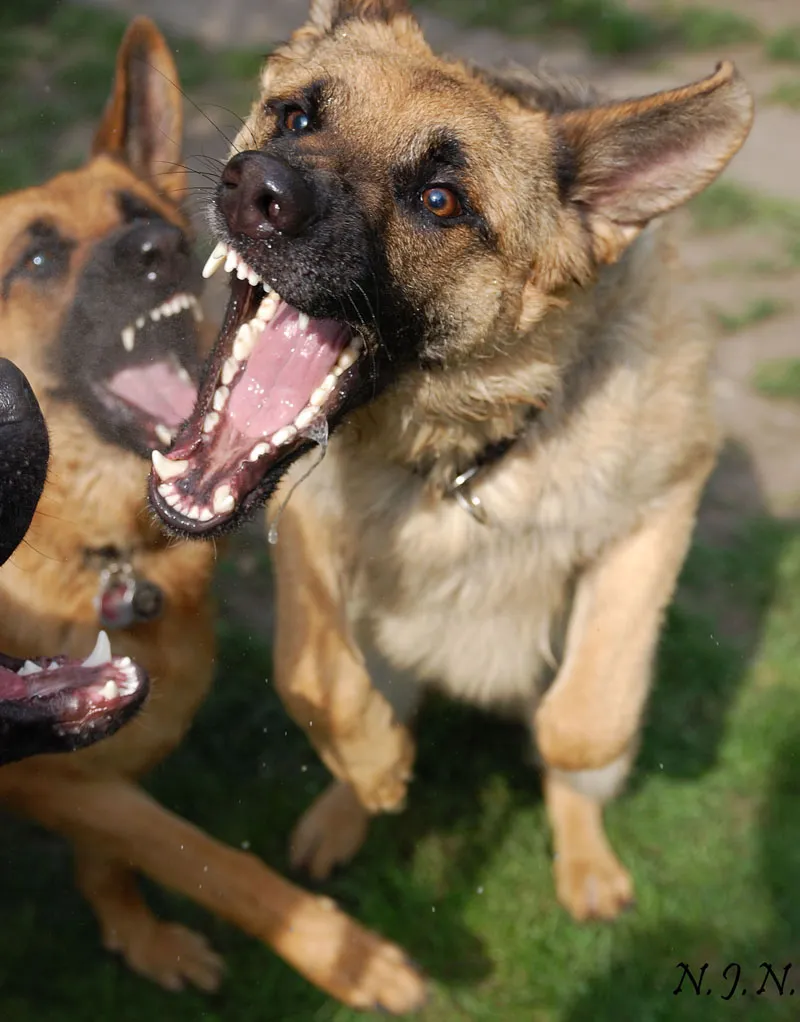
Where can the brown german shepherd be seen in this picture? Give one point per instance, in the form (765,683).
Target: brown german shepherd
(99,295)
(466,274)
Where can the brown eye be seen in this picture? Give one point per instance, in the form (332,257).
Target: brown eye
(297,121)
(442,202)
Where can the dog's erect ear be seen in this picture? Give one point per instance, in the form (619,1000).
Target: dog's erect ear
(326,14)
(143,120)
(626,163)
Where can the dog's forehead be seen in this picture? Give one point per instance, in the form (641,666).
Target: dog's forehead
(83,205)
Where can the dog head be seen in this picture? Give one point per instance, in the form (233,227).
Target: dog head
(49,705)
(390,216)
(97,281)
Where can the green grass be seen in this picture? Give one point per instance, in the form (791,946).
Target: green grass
(709,828)
(786,94)
(779,378)
(756,311)
(726,206)
(784,46)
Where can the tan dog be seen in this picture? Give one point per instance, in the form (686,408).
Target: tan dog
(98,289)
(466,275)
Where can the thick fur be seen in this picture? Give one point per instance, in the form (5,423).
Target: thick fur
(95,497)
(561,290)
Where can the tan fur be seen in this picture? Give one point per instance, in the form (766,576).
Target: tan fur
(96,496)
(384,584)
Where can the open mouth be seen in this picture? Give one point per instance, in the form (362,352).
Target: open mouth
(74,702)
(150,390)
(276,378)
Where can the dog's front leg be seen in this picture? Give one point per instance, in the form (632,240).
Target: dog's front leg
(587,725)
(324,683)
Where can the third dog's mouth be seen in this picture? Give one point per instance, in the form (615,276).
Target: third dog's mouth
(275,379)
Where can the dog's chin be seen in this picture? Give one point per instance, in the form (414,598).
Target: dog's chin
(278,382)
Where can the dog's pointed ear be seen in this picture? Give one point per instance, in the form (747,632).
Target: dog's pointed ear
(326,14)
(143,120)
(627,163)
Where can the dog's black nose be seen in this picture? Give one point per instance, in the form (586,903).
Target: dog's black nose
(260,194)
(17,402)
(154,250)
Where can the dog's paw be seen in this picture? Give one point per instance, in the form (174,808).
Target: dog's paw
(353,964)
(171,955)
(330,833)
(597,887)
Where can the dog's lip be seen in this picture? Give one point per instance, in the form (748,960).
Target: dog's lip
(249,326)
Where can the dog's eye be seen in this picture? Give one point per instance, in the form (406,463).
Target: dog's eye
(296,120)
(441,201)
(46,256)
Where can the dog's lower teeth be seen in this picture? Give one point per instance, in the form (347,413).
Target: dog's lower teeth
(128,338)
(206,515)
(229,370)
(194,514)
(110,690)
(221,396)
(259,451)
(223,500)
(284,435)
(211,422)
(306,417)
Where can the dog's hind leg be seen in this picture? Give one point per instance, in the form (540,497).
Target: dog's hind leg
(120,820)
(587,725)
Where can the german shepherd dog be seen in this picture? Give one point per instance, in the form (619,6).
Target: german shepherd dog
(466,275)
(49,705)
(98,308)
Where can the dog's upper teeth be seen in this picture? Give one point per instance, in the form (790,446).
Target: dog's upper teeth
(29,667)
(155,315)
(110,690)
(242,271)
(231,261)
(164,433)
(253,278)
(166,469)
(302,321)
(128,338)
(140,322)
(101,654)
(215,260)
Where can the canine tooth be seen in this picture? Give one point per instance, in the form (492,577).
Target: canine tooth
(231,259)
(206,514)
(303,320)
(215,260)
(140,323)
(110,690)
(210,422)
(253,279)
(305,418)
(221,396)
(244,343)
(164,433)
(128,338)
(101,654)
(259,451)
(223,500)
(229,370)
(267,309)
(283,435)
(243,271)
(29,667)
(166,469)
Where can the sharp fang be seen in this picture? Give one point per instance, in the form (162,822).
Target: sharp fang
(215,260)
(140,323)
(231,259)
(101,654)
(284,435)
(306,417)
(242,271)
(253,279)
(244,343)
(259,451)
(229,370)
(223,500)
(110,690)
(206,515)
(221,396)
(163,433)
(302,321)
(211,422)
(167,469)
(29,667)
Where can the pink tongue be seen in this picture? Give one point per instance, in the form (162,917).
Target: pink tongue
(157,390)
(286,367)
